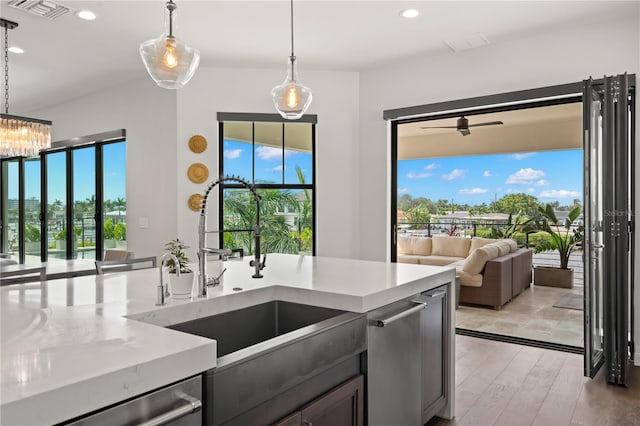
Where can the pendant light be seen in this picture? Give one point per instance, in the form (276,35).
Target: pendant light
(291,98)
(19,136)
(170,62)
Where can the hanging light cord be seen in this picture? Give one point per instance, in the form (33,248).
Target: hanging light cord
(171,6)
(6,69)
(293,57)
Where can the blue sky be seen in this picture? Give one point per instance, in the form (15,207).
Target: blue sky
(268,163)
(84,175)
(549,176)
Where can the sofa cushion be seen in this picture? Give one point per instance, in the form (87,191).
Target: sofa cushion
(439,260)
(474,264)
(467,279)
(414,245)
(477,242)
(503,247)
(409,258)
(443,245)
(513,244)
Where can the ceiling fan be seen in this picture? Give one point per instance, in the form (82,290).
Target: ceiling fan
(462,125)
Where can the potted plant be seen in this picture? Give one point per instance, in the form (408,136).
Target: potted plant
(109,234)
(564,238)
(61,239)
(181,285)
(32,238)
(120,235)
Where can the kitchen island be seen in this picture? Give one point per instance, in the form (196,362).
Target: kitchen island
(73,346)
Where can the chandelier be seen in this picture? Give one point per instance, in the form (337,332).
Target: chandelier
(19,136)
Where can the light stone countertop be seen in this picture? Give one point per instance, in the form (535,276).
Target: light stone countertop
(71,346)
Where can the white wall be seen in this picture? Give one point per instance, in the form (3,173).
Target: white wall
(148,114)
(335,101)
(559,57)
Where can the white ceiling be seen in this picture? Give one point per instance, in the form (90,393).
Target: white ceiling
(67,58)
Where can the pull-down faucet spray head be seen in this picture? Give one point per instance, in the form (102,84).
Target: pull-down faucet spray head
(203,280)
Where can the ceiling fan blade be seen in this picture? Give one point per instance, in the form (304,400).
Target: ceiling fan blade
(440,127)
(489,123)
(464,132)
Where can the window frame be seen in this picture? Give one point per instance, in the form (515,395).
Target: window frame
(98,141)
(266,118)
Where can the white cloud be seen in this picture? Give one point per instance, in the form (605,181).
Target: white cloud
(472,191)
(455,174)
(232,154)
(542,182)
(269,153)
(403,190)
(419,175)
(278,168)
(487,173)
(531,190)
(431,166)
(523,155)
(525,176)
(559,193)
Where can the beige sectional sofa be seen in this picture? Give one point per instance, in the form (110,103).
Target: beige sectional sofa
(491,272)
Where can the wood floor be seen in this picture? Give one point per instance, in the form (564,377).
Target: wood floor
(505,384)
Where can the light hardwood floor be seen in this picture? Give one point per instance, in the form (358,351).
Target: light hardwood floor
(501,383)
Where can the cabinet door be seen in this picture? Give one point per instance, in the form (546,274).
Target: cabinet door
(434,326)
(342,406)
(294,419)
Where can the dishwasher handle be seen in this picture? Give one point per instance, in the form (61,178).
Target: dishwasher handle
(191,405)
(417,308)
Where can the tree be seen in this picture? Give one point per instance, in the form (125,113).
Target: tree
(418,214)
(516,203)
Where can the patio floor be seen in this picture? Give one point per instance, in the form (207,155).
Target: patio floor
(531,315)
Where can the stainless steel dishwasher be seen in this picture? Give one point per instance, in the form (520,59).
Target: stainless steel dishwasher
(394,357)
(176,405)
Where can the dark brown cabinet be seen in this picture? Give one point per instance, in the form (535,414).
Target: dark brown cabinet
(341,406)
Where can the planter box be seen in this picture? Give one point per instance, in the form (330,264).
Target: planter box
(121,244)
(552,277)
(110,243)
(61,245)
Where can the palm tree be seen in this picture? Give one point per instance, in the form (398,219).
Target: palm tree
(239,213)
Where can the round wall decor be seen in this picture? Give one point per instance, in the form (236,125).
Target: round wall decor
(197,143)
(195,202)
(198,173)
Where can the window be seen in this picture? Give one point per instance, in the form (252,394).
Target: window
(278,158)
(80,182)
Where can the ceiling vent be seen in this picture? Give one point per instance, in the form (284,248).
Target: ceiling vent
(43,8)
(467,42)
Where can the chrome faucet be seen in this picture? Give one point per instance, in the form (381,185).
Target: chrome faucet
(203,279)
(163,289)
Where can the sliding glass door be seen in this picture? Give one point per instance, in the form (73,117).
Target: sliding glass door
(608,125)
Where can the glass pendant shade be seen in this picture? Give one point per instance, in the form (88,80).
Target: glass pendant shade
(170,62)
(291,98)
(24,137)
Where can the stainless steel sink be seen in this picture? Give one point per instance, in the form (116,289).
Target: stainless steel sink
(276,351)
(246,327)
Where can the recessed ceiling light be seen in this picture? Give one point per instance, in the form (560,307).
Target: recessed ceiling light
(16,49)
(409,13)
(87,15)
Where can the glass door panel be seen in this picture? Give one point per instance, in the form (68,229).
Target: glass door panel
(114,193)
(10,207)
(32,223)
(56,206)
(594,239)
(84,203)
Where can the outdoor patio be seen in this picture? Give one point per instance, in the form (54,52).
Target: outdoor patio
(532,314)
